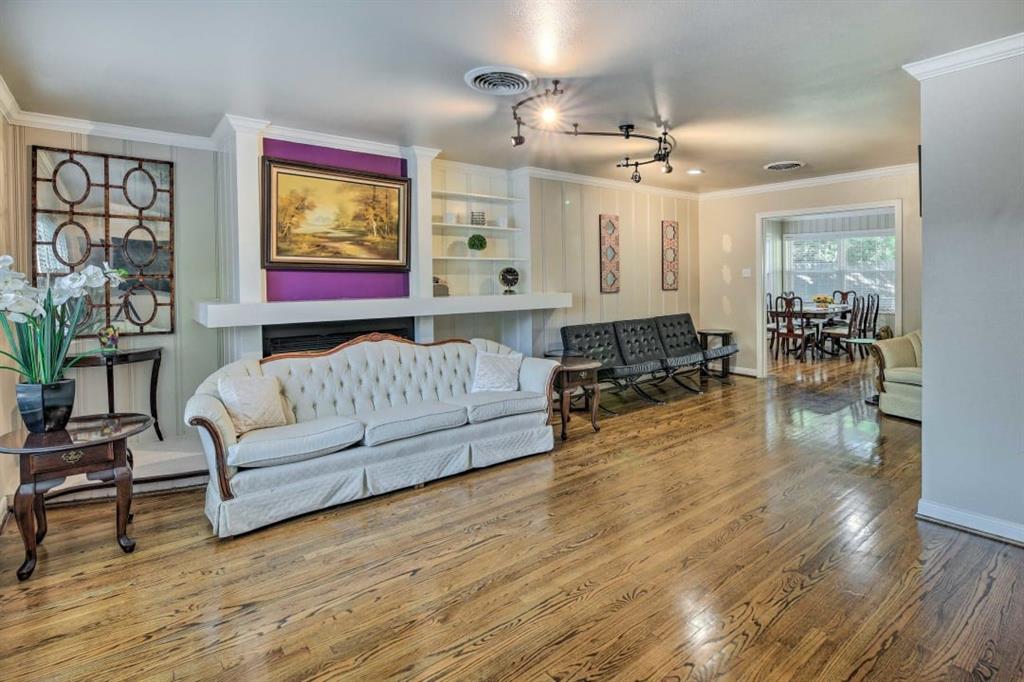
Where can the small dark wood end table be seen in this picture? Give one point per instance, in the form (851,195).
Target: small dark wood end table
(94,445)
(128,356)
(577,372)
(726,336)
(864,343)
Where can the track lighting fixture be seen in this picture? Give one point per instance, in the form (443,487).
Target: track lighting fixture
(538,112)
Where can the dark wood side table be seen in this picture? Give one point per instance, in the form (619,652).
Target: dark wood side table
(865,343)
(577,372)
(128,356)
(726,338)
(94,445)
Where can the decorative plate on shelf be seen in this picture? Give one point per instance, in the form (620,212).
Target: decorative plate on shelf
(509,278)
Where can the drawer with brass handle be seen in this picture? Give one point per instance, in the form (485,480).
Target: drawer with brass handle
(72,457)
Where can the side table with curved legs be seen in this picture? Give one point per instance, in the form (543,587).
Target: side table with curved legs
(94,445)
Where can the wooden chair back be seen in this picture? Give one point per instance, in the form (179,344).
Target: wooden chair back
(789,310)
(870,323)
(843,297)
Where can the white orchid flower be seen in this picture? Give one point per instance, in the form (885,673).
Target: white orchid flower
(94,276)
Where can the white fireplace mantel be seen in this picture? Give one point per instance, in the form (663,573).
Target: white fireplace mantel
(217,315)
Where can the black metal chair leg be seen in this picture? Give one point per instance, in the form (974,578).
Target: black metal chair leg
(644,395)
(698,390)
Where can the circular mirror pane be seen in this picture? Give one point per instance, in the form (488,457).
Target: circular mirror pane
(139,188)
(71,243)
(139,246)
(71,182)
(140,305)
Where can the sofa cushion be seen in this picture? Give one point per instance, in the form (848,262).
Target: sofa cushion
(496,372)
(252,402)
(294,442)
(487,405)
(903,375)
(403,421)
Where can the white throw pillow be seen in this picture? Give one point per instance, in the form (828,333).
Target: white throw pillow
(497,372)
(252,402)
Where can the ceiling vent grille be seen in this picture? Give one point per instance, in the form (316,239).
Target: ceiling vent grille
(784,165)
(499,80)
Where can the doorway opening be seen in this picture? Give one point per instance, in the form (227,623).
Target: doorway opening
(846,253)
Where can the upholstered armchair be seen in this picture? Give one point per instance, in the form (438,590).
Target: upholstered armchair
(898,382)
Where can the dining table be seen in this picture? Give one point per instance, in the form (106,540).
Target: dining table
(820,316)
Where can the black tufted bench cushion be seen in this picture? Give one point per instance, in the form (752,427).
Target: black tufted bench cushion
(596,341)
(678,336)
(640,345)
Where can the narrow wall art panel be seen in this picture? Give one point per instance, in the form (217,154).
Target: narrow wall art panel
(669,255)
(609,225)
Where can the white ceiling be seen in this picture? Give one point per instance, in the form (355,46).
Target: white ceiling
(741,83)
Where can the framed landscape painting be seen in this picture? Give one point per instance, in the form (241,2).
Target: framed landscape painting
(317,218)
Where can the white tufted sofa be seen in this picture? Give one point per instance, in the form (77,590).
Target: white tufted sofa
(408,407)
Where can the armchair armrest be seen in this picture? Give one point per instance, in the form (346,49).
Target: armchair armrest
(217,433)
(538,375)
(896,352)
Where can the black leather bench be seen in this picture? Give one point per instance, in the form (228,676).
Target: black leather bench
(652,349)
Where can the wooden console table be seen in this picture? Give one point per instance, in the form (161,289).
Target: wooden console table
(128,356)
(94,445)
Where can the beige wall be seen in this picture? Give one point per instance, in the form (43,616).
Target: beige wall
(565,254)
(727,237)
(191,353)
(13,242)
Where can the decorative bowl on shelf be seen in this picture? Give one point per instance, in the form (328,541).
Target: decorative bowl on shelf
(509,278)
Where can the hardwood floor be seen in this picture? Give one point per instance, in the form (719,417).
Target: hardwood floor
(762,531)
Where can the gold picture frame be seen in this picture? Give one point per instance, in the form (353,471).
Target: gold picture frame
(322,218)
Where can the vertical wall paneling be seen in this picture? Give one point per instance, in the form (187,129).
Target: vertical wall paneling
(566,253)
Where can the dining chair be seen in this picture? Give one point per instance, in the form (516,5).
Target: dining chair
(769,319)
(869,324)
(789,322)
(840,334)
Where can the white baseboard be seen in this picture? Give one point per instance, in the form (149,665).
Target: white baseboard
(745,371)
(989,526)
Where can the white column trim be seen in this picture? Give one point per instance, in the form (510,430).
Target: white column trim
(419,167)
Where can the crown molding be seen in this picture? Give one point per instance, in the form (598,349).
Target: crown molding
(870,174)
(15,116)
(968,57)
(9,108)
(563,176)
(349,144)
(230,125)
(420,153)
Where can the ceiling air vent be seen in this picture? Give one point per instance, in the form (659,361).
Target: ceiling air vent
(499,80)
(784,165)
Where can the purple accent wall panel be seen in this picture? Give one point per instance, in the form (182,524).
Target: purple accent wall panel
(304,285)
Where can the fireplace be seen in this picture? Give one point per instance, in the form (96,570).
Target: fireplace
(316,336)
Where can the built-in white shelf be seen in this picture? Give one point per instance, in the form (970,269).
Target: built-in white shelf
(472,196)
(495,228)
(217,315)
(483,259)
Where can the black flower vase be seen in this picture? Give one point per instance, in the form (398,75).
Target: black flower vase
(46,407)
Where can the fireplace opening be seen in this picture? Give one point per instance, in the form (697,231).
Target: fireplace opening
(318,336)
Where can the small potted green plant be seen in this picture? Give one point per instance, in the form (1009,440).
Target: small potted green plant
(476,243)
(39,324)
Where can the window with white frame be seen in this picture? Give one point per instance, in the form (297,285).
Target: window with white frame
(862,261)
